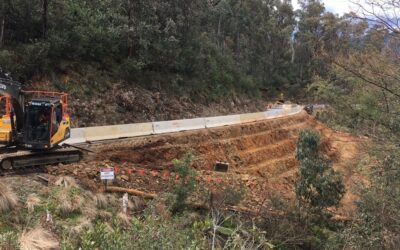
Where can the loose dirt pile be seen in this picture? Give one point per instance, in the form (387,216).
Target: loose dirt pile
(260,156)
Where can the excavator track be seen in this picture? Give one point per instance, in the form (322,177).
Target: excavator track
(23,171)
(14,160)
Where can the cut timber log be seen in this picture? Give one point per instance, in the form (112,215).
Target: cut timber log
(134,192)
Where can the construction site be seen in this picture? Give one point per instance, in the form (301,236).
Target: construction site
(218,124)
(239,163)
(259,154)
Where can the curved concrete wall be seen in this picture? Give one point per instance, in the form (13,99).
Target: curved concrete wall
(123,130)
(218,121)
(178,125)
(81,135)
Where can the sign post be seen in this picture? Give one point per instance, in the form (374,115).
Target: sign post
(106,174)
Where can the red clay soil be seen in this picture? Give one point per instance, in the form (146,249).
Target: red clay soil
(260,157)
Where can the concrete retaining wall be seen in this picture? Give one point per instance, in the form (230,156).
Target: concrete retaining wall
(118,131)
(252,117)
(81,135)
(218,121)
(77,136)
(178,125)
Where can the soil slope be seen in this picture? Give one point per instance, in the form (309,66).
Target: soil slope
(260,157)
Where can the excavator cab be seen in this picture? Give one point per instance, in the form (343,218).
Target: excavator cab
(46,120)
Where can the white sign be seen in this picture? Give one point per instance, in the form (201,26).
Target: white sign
(107,174)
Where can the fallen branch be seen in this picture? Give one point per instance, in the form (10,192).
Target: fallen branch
(134,192)
(238,209)
(43,178)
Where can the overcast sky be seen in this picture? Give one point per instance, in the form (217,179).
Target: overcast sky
(335,6)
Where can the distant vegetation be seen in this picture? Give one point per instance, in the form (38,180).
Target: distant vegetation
(207,49)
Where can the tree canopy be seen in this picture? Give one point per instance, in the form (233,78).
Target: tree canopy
(206,47)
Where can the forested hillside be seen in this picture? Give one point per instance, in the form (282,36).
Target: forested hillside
(205,47)
(206,50)
(201,48)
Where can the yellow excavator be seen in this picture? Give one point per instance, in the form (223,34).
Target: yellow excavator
(32,126)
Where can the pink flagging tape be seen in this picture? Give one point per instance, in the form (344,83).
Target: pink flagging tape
(166,175)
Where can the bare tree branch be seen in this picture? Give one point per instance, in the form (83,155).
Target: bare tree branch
(384,12)
(369,81)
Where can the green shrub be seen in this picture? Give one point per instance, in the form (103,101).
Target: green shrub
(104,237)
(9,241)
(145,232)
(26,60)
(376,225)
(318,185)
(185,182)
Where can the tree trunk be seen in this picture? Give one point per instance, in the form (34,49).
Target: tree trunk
(293,51)
(186,23)
(237,35)
(2,21)
(219,31)
(45,18)
(130,29)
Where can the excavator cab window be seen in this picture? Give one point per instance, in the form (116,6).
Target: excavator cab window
(58,113)
(38,123)
(2,106)
(55,121)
